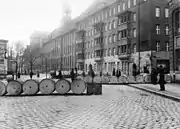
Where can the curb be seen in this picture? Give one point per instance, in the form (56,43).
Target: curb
(157,93)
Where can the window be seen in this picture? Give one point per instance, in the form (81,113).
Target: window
(105,27)
(157,12)
(134,16)
(129,3)
(110,39)
(166,30)
(119,8)
(114,52)
(158,29)
(119,35)
(106,15)
(167,46)
(134,48)
(123,33)
(124,6)
(157,46)
(109,12)
(134,32)
(109,25)
(114,11)
(114,38)
(102,16)
(177,23)
(166,12)
(114,24)
(134,2)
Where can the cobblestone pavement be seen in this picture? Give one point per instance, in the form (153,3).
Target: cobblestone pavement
(120,107)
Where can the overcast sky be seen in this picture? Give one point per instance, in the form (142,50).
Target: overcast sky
(19,18)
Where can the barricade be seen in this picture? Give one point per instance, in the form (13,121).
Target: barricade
(3,89)
(47,86)
(78,86)
(147,78)
(14,87)
(62,86)
(31,87)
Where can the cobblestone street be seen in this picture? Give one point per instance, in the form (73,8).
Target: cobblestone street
(120,107)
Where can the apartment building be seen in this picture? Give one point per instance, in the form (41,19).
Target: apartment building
(58,52)
(174,37)
(115,33)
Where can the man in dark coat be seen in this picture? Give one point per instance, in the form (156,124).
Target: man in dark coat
(72,75)
(60,75)
(114,72)
(31,74)
(91,72)
(154,76)
(162,78)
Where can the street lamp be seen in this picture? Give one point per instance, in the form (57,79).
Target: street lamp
(139,37)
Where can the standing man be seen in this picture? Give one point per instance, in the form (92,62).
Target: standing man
(162,78)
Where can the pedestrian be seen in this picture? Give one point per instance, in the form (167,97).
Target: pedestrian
(83,73)
(114,72)
(154,76)
(38,74)
(72,75)
(60,74)
(19,75)
(91,72)
(162,78)
(117,73)
(31,74)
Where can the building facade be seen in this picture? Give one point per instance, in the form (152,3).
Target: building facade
(3,60)
(174,21)
(116,33)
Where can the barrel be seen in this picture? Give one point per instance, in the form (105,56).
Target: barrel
(105,79)
(3,89)
(131,79)
(14,87)
(31,87)
(47,86)
(139,79)
(63,86)
(88,79)
(114,79)
(97,79)
(78,86)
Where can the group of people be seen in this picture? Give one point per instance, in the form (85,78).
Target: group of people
(116,73)
(161,71)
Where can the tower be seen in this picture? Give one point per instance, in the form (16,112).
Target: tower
(66,12)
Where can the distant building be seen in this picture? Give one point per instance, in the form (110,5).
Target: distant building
(174,22)
(3,60)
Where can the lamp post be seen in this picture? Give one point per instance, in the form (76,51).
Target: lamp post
(139,37)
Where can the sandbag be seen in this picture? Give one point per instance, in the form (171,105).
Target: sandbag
(88,79)
(97,79)
(147,78)
(123,79)
(105,79)
(114,79)
(131,79)
(139,79)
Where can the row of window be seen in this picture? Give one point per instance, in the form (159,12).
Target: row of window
(158,12)
(121,50)
(111,12)
(158,29)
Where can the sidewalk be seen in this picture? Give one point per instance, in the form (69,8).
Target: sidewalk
(172,90)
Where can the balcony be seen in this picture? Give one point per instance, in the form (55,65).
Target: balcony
(98,34)
(99,24)
(79,41)
(80,33)
(126,12)
(80,58)
(98,58)
(123,41)
(123,26)
(124,55)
